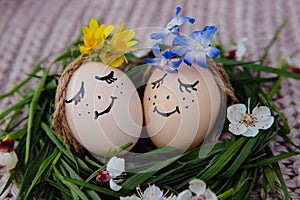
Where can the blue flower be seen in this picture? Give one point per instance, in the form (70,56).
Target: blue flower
(164,61)
(197,46)
(172,26)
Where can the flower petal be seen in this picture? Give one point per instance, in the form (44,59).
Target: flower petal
(183,19)
(235,112)
(197,186)
(184,41)
(212,52)
(261,113)
(114,186)
(153,193)
(237,129)
(201,59)
(156,50)
(189,57)
(251,132)
(207,35)
(9,160)
(265,124)
(184,195)
(115,166)
(209,195)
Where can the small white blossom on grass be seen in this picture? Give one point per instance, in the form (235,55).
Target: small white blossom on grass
(239,51)
(115,168)
(151,193)
(242,122)
(197,191)
(8,156)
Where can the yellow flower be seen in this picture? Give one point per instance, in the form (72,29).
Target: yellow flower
(120,42)
(94,36)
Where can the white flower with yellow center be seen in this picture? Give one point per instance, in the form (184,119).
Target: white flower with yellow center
(242,122)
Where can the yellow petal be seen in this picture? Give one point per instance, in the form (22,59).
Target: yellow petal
(117,62)
(120,28)
(85,30)
(108,30)
(93,24)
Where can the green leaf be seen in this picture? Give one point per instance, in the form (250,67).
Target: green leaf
(16,106)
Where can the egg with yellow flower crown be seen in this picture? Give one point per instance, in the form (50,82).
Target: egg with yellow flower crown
(183,99)
(103,109)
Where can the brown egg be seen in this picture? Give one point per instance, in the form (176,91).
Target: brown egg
(103,108)
(180,109)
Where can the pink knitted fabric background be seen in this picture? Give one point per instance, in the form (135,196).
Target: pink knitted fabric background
(31,30)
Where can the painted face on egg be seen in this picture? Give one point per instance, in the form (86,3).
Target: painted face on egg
(179,107)
(103,109)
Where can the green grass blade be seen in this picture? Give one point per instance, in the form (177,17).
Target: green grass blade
(20,85)
(32,110)
(223,160)
(16,106)
(45,164)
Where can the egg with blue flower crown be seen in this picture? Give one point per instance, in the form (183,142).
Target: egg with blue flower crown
(184,100)
(182,108)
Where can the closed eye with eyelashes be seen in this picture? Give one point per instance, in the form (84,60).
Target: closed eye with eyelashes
(108,78)
(77,98)
(157,83)
(186,86)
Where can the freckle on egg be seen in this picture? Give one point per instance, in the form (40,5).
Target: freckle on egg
(149,99)
(193,100)
(79,114)
(89,112)
(154,103)
(122,83)
(121,92)
(86,104)
(183,98)
(168,97)
(99,97)
(154,96)
(186,107)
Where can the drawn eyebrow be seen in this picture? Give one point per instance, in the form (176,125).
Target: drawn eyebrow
(187,87)
(77,98)
(156,84)
(108,78)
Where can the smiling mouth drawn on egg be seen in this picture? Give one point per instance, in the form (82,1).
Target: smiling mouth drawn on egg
(107,110)
(166,114)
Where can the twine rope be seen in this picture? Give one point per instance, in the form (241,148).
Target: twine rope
(59,123)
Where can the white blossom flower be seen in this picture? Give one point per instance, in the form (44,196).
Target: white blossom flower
(197,191)
(115,168)
(151,193)
(242,122)
(239,51)
(8,156)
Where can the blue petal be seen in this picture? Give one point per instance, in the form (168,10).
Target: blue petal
(159,35)
(156,50)
(189,58)
(197,36)
(183,19)
(169,54)
(178,9)
(176,64)
(207,35)
(212,52)
(150,61)
(183,41)
(179,51)
(201,59)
